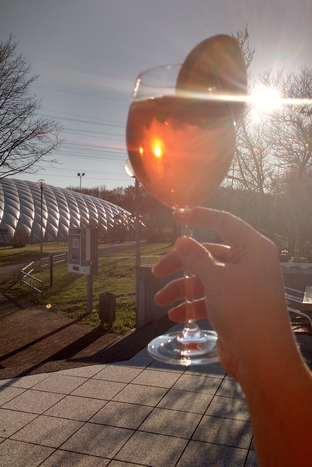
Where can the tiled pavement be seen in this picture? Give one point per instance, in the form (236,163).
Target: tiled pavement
(133,413)
(136,412)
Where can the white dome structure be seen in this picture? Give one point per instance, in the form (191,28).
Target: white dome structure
(20,212)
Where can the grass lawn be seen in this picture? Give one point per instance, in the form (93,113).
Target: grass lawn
(116,274)
(9,255)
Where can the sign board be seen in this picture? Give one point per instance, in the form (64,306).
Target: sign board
(83,250)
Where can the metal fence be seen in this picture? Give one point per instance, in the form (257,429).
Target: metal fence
(27,278)
(44,262)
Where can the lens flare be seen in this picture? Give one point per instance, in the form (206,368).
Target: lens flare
(267,99)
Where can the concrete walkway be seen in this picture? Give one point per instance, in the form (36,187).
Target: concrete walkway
(133,412)
(136,412)
(95,405)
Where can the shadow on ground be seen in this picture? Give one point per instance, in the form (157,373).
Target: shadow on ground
(35,340)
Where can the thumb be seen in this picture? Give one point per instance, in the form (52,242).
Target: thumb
(194,257)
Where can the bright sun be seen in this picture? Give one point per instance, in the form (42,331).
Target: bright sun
(267,99)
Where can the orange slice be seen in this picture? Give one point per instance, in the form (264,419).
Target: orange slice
(216,65)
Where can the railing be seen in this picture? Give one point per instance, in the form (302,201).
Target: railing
(24,274)
(44,262)
(26,277)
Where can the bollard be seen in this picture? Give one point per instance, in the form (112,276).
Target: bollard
(107,308)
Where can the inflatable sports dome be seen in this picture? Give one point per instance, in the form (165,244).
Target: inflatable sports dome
(20,213)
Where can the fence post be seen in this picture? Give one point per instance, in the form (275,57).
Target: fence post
(51,269)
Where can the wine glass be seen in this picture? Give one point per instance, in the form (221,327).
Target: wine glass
(180,145)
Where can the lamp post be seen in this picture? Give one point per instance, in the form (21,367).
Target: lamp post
(81,174)
(129,170)
(41,183)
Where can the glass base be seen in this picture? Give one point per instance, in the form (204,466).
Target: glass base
(172,348)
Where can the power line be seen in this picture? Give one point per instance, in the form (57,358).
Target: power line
(82,116)
(94,133)
(101,157)
(105,159)
(68,149)
(90,178)
(104,156)
(93,147)
(80,94)
(101,179)
(86,121)
(64,169)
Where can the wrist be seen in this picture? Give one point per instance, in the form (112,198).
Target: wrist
(272,358)
(278,392)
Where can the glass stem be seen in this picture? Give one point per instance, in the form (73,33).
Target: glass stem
(191,327)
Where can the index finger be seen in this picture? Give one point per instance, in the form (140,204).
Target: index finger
(230,228)
(172,263)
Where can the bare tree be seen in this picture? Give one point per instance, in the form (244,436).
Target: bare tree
(251,171)
(253,177)
(289,130)
(256,173)
(25,138)
(243,36)
(236,172)
(290,125)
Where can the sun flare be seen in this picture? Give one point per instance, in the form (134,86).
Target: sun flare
(267,99)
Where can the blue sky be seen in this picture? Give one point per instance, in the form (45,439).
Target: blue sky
(89,52)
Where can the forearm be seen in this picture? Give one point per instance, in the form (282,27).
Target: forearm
(245,303)
(278,390)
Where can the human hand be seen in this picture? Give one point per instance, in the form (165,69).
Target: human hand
(239,287)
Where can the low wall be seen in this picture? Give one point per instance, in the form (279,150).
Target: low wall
(296,275)
(148,286)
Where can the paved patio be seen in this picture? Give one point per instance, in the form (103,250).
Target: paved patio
(75,399)
(137,412)
(117,406)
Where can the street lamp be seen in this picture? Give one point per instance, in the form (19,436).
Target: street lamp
(41,183)
(129,170)
(80,174)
